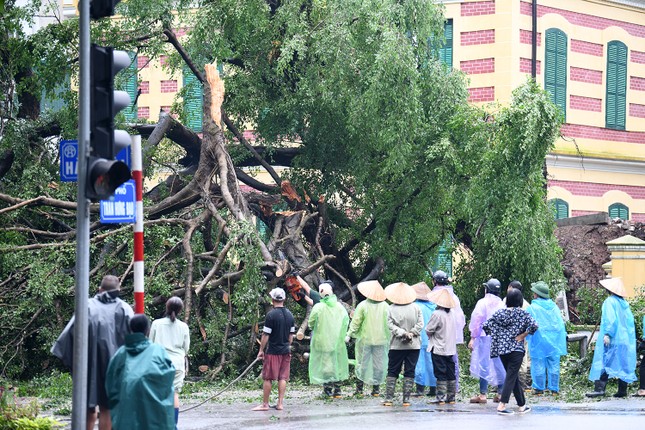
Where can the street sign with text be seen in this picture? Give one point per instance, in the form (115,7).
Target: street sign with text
(68,160)
(120,208)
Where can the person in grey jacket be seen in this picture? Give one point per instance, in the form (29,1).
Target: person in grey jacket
(405,321)
(443,346)
(108,321)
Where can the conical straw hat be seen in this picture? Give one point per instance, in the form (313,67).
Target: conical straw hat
(614,285)
(400,293)
(442,298)
(422,290)
(372,290)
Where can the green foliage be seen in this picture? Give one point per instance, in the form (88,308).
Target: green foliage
(509,220)
(637,305)
(15,416)
(589,307)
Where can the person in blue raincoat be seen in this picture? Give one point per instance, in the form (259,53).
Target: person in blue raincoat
(548,343)
(139,382)
(424,372)
(615,353)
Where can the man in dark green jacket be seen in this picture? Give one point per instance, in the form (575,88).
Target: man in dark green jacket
(139,382)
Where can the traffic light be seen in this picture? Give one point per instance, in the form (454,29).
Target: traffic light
(104,173)
(102,8)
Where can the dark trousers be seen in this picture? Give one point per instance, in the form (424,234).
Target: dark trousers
(512,363)
(444,367)
(406,358)
(641,370)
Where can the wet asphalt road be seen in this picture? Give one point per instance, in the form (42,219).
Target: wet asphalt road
(304,411)
(369,414)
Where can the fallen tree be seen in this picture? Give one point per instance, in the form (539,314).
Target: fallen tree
(375,158)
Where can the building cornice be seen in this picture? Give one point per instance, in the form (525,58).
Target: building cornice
(638,4)
(595,164)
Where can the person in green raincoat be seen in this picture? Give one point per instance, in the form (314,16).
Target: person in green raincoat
(369,328)
(328,363)
(139,382)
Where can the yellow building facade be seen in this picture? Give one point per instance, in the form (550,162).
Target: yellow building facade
(591,58)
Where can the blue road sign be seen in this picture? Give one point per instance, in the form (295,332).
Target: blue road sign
(124,155)
(120,208)
(68,160)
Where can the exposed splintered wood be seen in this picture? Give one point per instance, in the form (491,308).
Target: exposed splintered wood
(217,92)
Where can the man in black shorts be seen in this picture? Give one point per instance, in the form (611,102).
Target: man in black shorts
(278,331)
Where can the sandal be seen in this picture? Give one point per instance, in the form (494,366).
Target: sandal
(478,399)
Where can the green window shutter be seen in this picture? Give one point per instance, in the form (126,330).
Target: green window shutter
(55,102)
(193,100)
(131,87)
(263,230)
(619,210)
(444,258)
(560,208)
(555,67)
(616,95)
(445,52)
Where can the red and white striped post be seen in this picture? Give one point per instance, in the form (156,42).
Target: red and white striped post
(137,175)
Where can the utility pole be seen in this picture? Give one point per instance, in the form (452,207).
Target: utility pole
(99,174)
(79,367)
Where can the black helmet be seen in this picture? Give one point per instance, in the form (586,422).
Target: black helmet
(440,277)
(516,284)
(493,286)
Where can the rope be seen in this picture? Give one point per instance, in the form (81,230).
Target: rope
(225,388)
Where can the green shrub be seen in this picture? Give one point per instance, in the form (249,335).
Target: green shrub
(22,417)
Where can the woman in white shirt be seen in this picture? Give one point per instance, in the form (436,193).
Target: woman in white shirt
(173,334)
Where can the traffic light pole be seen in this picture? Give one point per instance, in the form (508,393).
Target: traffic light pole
(79,369)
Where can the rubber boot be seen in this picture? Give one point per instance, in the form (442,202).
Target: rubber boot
(327,389)
(376,390)
(451,392)
(598,389)
(337,392)
(432,391)
(359,389)
(390,383)
(622,389)
(408,383)
(442,388)
(419,391)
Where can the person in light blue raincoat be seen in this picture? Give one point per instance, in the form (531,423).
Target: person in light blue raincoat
(424,372)
(548,343)
(615,353)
